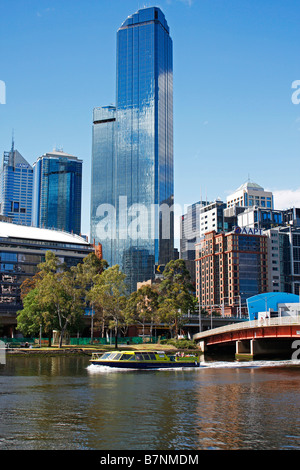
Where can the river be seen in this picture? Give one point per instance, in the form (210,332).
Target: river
(49,403)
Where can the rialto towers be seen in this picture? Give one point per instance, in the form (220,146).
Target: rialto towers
(132,188)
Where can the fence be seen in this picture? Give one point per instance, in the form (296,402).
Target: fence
(106,341)
(17,342)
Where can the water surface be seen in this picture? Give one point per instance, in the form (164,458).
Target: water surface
(63,403)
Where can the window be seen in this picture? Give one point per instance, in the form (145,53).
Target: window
(126,357)
(15,206)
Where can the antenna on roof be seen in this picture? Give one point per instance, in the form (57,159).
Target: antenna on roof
(12,142)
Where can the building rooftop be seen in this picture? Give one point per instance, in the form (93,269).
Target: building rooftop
(144,15)
(10,230)
(56,153)
(250,185)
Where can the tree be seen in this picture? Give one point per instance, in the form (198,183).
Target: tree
(142,307)
(56,299)
(31,317)
(176,295)
(87,274)
(109,293)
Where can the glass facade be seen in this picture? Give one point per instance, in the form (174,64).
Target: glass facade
(102,179)
(16,188)
(57,192)
(19,260)
(141,177)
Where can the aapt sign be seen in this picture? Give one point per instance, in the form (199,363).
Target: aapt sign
(248,231)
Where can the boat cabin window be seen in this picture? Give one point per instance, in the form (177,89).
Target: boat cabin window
(139,356)
(126,357)
(105,356)
(112,356)
(152,356)
(146,357)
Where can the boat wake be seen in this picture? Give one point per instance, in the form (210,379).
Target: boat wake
(96,369)
(248,364)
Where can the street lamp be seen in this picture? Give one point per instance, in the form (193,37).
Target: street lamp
(200,324)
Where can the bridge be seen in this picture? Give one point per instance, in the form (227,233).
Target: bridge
(255,338)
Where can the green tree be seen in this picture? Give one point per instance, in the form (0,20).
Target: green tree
(142,307)
(31,317)
(87,274)
(109,293)
(176,295)
(56,299)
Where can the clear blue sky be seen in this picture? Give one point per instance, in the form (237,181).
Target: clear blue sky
(234,64)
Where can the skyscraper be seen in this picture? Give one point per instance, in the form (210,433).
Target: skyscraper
(103,151)
(57,192)
(16,179)
(141,179)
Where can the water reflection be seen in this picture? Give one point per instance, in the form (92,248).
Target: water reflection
(61,403)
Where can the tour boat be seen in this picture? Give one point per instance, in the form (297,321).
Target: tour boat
(144,360)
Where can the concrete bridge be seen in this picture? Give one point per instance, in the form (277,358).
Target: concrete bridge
(270,337)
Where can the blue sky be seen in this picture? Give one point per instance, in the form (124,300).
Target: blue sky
(234,65)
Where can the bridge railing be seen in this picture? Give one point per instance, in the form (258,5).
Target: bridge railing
(276,321)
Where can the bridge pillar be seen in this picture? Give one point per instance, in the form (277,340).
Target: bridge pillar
(202,346)
(251,348)
(243,346)
(246,348)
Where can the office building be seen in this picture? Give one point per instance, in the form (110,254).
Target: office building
(102,179)
(284,259)
(16,187)
(140,180)
(190,235)
(212,217)
(230,267)
(260,217)
(22,249)
(57,192)
(251,194)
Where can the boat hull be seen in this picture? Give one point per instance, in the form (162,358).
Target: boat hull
(144,365)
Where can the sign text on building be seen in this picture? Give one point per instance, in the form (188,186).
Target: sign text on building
(249,230)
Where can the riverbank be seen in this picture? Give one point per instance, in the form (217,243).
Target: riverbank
(89,350)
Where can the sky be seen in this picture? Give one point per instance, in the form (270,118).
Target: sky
(236,115)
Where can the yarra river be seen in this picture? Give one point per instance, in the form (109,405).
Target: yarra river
(62,403)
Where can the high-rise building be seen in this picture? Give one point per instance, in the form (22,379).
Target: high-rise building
(16,180)
(211,217)
(251,194)
(140,180)
(230,267)
(102,178)
(57,192)
(284,259)
(190,235)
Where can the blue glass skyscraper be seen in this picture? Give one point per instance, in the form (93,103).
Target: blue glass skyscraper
(16,186)
(141,181)
(102,192)
(57,192)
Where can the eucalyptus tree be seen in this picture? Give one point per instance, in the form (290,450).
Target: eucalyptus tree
(142,307)
(109,293)
(176,295)
(55,299)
